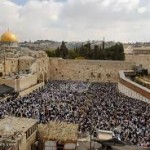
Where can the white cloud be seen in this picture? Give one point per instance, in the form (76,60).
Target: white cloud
(128,5)
(106,3)
(8,13)
(142,10)
(77,19)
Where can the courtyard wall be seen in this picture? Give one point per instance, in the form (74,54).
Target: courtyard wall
(87,70)
(139,59)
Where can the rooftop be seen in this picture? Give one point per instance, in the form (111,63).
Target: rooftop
(58,131)
(10,125)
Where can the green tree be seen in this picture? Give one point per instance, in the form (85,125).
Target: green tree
(72,54)
(50,53)
(58,52)
(64,50)
(115,52)
(95,52)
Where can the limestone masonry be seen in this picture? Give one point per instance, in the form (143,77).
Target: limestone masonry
(87,70)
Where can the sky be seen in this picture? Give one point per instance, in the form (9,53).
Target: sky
(77,20)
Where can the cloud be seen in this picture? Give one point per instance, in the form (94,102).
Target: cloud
(123,20)
(142,10)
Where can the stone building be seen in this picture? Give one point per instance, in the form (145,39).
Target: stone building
(21,68)
(26,70)
(17,133)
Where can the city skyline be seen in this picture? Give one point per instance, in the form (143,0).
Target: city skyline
(76,20)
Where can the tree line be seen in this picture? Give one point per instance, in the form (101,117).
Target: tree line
(85,51)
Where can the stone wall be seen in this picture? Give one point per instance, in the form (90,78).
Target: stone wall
(22,142)
(11,66)
(15,65)
(26,82)
(132,89)
(24,63)
(139,59)
(8,82)
(42,65)
(31,141)
(94,71)
(20,84)
(31,89)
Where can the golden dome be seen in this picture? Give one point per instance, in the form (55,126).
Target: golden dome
(8,37)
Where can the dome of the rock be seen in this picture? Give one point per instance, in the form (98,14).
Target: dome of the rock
(8,37)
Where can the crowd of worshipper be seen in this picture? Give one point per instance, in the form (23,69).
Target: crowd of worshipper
(91,105)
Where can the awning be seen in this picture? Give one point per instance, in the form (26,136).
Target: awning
(4,89)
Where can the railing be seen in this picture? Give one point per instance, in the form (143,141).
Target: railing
(143,91)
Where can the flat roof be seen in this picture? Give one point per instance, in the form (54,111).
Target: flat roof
(10,124)
(58,131)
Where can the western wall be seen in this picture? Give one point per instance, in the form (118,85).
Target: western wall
(87,70)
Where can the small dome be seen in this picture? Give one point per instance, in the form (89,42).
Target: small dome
(8,37)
